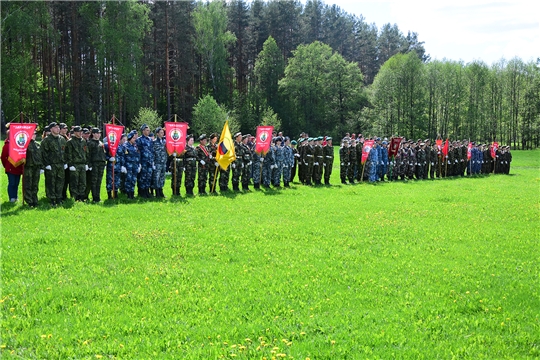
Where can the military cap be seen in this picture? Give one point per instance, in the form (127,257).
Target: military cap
(301,140)
(46,128)
(76,129)
(293,142)
(158,129)
(320,138)
(422,144)
(85,131)
(151,134)
(53,124)
(328,138)
(62,126)
(95,130)
(131,134)
(189,137)
(237,134)
(213,135)
(286,138)
(245,137)
(310,139)
(378,139)
(202,137)
(144,126)
(385,142)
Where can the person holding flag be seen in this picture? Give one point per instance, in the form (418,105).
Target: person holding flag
(238,164)
(13,172)
(190,163)
(225,156)
(213,165)
(32,172)
(114,161)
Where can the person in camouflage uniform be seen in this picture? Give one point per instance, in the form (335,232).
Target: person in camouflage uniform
(344,160)
(130,157)
(238,164)
(318,161)
(257,169)
(203,160)
(309,156)
(32,171)
(77,160)
(353,159)
(279,161)
(328,155)
(114,162)
(289,162)
(404,163)
(296,157)
(97,159)
(190,163)
(373,162)
(421,158)
(52,150)
(268,166)
(144,143)
(302,163)
(247,159)
(86,136)
(64,133)
(159,148)
(384,160)
(213,165)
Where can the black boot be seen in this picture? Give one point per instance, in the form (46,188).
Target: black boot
(109,195)
(235,187)
(150,193)
(202,191)
(115,194)
(245,187)
(161,194)
(257,186)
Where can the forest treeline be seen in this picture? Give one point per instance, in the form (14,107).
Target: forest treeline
(303,67)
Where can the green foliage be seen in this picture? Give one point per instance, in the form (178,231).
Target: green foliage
(147,116)
(429,269)
(271,118)
(209,117)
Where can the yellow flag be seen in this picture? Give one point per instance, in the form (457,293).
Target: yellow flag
(225,152)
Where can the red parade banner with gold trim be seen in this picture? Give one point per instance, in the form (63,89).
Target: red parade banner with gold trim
(494,148)
(113,134)
(263,139)
(394,146)
(175,137)
(368,144)
(19,138)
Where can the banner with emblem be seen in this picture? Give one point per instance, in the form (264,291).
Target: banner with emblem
(113,134)
(175,137)
(225,154)
(439,144)
(469,151)
(494,148)
(368,144)
(19,138)
(394,146)
(263,139)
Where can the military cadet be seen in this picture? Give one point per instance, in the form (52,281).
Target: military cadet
(435,158)
(344,160)
(247,158)
(279,158)
(302,163)
(268,166)
(114,162)
(373,158)
(296,156)
(487,161)
(310,159)
(359,144)
(411,166)
(318,160)
(130,158)
(288,163)
(177,168)
(328,154)
(65,134)
(190,165)
(203,159)
(144,143)
(238,164)
(257,169)
(421,158)
(404,156)
(32,171)
(508,159)
(97,159)
(52,150)
(77,160)
(159,149)
(384,159)
(380,166)
(213,165)
(353,159)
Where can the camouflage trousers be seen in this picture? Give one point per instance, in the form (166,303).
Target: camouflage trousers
(31,184)
(246,173)
(277,172)
(202,177)
(77,181)
(191,172)
(328,170)
(224,178)
(177,170)
(131,176)
(266,174)
(145,176)
(54,182)
(117,176)
(287,174)
(237,168)
(97,178)
(158,175)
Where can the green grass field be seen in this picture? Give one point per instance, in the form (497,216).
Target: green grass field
(421,269)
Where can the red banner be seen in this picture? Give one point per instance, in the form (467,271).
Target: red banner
(263,139)
(445,148)
(19,138)
(439,144)
(469,151)
(175,137)
(494,149)
(113,134)
(368,144)
(394,146)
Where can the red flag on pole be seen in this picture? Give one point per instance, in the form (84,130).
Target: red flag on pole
(263,139)
(439,144)
(175,137)
(494,148)
(469,151)
(113,133)
(368,144)
(445,148)
(394,146)
(19,138)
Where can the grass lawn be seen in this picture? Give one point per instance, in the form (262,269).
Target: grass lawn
(421,269)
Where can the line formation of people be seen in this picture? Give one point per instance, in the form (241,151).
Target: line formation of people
(77,160)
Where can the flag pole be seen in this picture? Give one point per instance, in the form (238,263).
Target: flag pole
(215,178)
(363,167)
(174,167)
(22,203)
(113,163)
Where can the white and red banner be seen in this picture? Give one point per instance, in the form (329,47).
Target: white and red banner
(394,146)
(368,144)
(445,148)
(469,151)
(19,138)
(113,134)
(175,137)
(263,139)
(494,149)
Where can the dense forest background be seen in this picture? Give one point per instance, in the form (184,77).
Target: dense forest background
(303,67)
